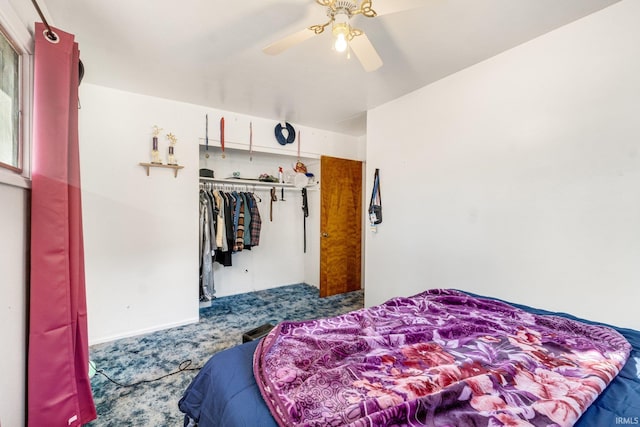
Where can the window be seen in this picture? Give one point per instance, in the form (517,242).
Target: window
(10,141)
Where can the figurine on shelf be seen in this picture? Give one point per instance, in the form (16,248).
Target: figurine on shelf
(171,158)
(300,167)
(155,154)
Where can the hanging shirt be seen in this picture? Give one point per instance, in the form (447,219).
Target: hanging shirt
(223,254)
(239,243)
(247,220)
(256,222)
(221,230)
(236,212)
(231,237)
(213,216)
(206,252)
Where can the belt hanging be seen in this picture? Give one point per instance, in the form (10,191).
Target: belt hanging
(206,132)
(274,198)
(305,211)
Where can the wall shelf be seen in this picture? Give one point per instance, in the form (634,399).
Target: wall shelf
(289,151)
(175,168)
(252,182)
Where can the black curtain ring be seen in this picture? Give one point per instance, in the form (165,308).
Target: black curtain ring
(51,36)
(291,134)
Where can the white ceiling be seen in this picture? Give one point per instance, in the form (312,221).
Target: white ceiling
(208,52)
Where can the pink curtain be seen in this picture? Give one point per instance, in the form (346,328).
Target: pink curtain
(59,391)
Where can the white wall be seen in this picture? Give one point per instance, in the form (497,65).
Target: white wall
(140,256)
(519,177)
(141,233)
(13,309)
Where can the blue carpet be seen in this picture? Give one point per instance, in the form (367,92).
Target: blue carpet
(221,326)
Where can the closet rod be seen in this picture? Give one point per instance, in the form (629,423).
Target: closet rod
(50,34)
(249,182)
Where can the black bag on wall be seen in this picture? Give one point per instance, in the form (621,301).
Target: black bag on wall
(375,205)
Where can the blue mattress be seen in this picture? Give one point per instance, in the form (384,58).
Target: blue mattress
(225,394)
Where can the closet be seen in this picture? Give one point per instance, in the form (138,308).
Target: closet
(280,257)
(229,223)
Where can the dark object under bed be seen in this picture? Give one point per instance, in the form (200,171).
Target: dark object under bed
(225,392)
(257,333)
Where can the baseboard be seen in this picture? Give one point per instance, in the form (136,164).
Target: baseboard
(129,334)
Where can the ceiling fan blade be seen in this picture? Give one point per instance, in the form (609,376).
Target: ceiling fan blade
(288,41)
(386,7)
(366,53)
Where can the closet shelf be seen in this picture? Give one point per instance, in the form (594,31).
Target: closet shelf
(175,168)
(252,182)
(243,147)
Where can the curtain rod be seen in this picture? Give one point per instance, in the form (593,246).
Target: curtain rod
(50,34)
(53,37)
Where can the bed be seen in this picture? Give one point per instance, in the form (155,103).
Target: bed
(464,360)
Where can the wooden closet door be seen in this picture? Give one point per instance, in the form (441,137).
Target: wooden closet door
(340,226)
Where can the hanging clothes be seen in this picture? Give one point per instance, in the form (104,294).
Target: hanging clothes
(247,220)
(224,256)
(221,231)
(239,222)
(207,247)
(235,225)
(223,253)
(236,217)
(213,216)
(256,222)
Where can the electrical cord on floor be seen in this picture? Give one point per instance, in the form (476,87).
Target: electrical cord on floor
(182,367)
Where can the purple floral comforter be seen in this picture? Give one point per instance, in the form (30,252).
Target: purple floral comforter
(440,358)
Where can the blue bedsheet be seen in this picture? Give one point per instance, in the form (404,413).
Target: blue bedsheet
(225,394)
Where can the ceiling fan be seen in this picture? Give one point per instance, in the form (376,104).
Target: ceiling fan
(345,36)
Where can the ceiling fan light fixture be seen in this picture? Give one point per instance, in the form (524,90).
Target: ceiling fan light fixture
(340,43)
(345,38)
(341,31)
